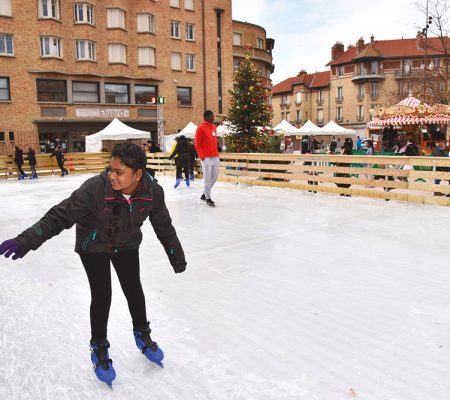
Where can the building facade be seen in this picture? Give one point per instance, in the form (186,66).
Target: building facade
(68,67)
(363,77)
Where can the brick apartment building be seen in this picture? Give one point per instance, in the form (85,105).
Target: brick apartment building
(362,77)
(68,67)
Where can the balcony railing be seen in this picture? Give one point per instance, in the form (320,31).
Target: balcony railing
(360,118)
(339,118)
(257,54)
(319,102)
(365,75)
(399,74)
(360,97)
(339,99)
(374,95)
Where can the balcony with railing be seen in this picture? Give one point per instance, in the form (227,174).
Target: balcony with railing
(256,54)
(402,74)
(319,102)
(339,99)
(365,75)
(360,96)
(339,118)
(360,118)
(374,95)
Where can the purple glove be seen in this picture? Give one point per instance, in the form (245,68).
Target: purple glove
(9,247)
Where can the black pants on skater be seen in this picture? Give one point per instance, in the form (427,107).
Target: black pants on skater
(126,264)
(63,170)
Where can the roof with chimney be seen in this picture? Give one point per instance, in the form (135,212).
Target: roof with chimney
(396,48)
(315,80)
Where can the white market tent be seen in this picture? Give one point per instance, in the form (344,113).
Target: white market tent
(188,131)
(116,130)
(310,128)
(333,129)
(286,128)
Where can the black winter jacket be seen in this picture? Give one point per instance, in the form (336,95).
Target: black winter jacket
(106,222)
(18,157)
(31,154)
(59,156)
(183,150)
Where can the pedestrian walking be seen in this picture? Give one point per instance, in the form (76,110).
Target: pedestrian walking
(18,160)
(59,155)
(182,156)
(109,210)
(31,155)
(206,146)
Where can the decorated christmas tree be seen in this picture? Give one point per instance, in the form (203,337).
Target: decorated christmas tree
(250,112)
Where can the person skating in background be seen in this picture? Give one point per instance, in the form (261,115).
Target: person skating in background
(369,152)
(153,147)
(193,156)
(59,154)
(182,156)
(18,160)
(31,155)
(206,146)
(109,210)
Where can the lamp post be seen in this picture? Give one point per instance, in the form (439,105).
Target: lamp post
(424,33)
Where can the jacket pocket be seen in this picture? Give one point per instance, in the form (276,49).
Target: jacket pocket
(88,239)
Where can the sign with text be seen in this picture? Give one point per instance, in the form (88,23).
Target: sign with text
(102,112)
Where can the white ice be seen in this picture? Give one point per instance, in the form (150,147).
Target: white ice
(287,295)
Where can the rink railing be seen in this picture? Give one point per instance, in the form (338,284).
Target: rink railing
(386,177)
(409,179)
(74,162)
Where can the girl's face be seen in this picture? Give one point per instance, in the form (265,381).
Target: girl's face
(123,178)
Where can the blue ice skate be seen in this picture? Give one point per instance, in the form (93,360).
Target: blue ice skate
(102,363)
(22,177)
(177,183)
(147,346)
(187,182)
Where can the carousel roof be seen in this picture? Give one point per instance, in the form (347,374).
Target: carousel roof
(411,111)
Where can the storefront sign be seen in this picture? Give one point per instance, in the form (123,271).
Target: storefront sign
(102,112)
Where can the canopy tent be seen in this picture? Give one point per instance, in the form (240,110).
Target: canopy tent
(286,128)
(410,111)
(309,128)
(116,130)
(187,131)
(333,129)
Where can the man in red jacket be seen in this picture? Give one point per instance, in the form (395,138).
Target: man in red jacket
(206,146)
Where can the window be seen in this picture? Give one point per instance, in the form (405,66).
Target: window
(5,94)
(176,61)
(184,96)
(339,114)
(2,136)
(237,39)
(374,89)
(85,50)
(298,98)
(360,114)
(286,99)
(190,62)
(288,116)
(117,53)
(339,93)
(146,56)
(282,116)
(189,4)
(48,9)
(340,71)
(11,136)
(299,117)
(360,91)
(6,45)
(5,8)
(83,13)
(116,93)
(146,23)
(260,43)
(319,96)
(115,18)
(50,90)
(85,92)
(175,29)
(320,116)
(174,3)
(190,32)
(145,94)
(236,64)
(374,67)
(51,47)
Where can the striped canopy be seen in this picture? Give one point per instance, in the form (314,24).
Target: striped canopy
(410,111)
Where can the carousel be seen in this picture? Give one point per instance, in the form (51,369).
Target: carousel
(412,119)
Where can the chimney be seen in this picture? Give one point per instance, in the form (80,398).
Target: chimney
(350,46)
(337,50)
(372,40)
(302,72)
(359,45)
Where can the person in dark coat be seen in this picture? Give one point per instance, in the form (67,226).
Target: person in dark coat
(411,149)
(153,147)
(439,151)
(31,154)
(182,153)
(58,153)
(18,160)
(109,210)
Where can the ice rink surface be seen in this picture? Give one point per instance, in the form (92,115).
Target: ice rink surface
(287,296)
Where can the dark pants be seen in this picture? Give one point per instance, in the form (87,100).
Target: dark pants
(33,169)
(182,166)
(61,166)
(19,168)
(126,264)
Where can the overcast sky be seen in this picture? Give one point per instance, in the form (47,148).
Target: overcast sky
(305,30)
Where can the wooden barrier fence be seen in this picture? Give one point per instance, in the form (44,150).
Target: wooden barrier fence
(409,179)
